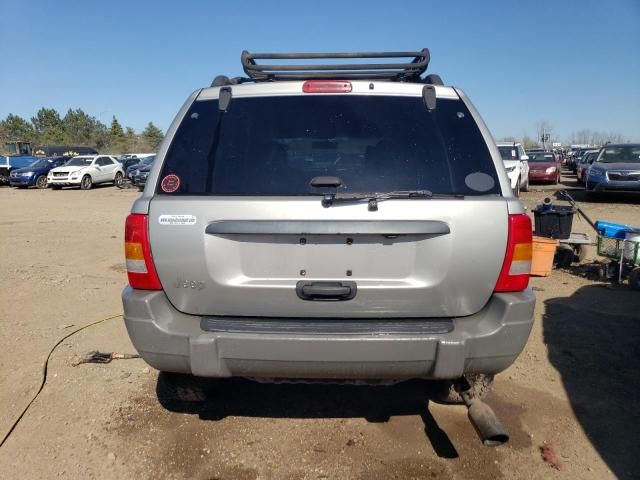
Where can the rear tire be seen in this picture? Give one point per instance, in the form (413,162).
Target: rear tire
(564,256)
(581,253)
(86,183)
(41,182)
(525,186)
(481,385)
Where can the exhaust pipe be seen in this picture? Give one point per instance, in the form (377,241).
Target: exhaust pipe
(483,419)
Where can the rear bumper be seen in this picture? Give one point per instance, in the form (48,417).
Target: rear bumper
(542,177)
(487,342)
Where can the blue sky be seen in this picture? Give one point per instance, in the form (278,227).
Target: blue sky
(573,63)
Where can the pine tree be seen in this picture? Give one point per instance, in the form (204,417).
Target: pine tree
(153,135)
(15,127)
(117,133)
(48,126)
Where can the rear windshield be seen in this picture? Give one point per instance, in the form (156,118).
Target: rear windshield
(508,153)
(541,157)
(277,145)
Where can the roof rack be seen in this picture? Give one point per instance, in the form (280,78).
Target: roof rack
(408,71)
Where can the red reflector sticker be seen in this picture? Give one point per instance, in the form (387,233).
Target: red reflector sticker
(170,183)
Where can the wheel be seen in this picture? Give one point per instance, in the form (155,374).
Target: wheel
(602,272)
(86,183)
(118,180)
(41,181)
(580,252)
(56,187)
(525,187)
(141,189)
(516,190)
(564,256)
(481,385)
(634,279)
(613,272)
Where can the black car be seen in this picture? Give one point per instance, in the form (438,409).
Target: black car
(139,176)
(132,167)
(127,161)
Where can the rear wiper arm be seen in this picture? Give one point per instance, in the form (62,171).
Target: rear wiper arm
(374,198)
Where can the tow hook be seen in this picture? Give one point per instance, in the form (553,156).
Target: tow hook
(482,417)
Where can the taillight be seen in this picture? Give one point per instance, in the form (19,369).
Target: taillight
(326,86)
(514,276)
(140,269)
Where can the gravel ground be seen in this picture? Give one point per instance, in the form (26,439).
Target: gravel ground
(574,387)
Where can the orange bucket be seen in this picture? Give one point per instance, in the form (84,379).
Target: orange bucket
(544,250)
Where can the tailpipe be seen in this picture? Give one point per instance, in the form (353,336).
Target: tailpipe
(482,417)
(484,420)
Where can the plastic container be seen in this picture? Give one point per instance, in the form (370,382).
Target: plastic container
(631,250)
(554,223)
(544,250)
(612,230)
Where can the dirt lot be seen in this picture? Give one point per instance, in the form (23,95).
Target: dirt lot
(576,385)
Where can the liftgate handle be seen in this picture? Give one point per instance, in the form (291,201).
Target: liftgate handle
(308,290)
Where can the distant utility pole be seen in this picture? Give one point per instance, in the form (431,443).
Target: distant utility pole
(544,138)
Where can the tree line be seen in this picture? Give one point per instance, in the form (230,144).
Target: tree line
(76,127)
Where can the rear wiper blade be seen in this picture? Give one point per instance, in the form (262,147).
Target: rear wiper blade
(385,195)
(374,198)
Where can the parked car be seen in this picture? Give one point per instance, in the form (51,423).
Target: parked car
(577,157)
(515,162)
(617,168)
(86,171)
(19,156)
(584,164)
(127,161)
(133,160)
(141,173)
(544,167)
(342,228)
(139,164)
(35,175)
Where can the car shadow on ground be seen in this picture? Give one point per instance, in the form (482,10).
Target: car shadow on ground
(215,399)
(592,339)
(577,192)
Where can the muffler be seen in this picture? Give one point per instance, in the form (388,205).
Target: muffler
(483,419)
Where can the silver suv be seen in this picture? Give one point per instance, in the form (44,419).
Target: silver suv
(342,221)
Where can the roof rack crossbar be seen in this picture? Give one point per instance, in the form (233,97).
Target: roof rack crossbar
(398,71)
(275,56)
